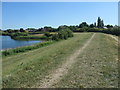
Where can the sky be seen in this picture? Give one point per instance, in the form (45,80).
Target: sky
(17,15)
(60,0)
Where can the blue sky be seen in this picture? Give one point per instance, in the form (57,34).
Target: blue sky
(17,15)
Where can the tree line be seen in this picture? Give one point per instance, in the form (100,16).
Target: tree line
(82,27)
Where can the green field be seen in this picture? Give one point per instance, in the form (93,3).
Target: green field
(83,61)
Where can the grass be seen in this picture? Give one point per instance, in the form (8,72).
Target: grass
(38,34)
(95,67)
(26,69)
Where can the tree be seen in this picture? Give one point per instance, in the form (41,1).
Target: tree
(9,30)
(55,37)
(83,25)
(31,29)
(22,30)
(48,29)
(16,31)
(109,26)
(91,25)
(63,27)
(47,34)
(70,33)
(73,28)
(40,29)
(95,24)
(100,23)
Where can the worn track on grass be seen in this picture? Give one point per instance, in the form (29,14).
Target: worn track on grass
(61,71)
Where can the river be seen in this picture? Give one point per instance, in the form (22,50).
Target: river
(7,42)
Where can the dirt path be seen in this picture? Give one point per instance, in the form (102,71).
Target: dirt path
(58,73)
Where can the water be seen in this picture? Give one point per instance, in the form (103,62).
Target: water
(7,42)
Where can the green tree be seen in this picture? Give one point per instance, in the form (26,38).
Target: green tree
(47,29)
(63,27)
(9,30)
(95,24)
(109,26)
(70,33)
(55,37)
(83,25)
(100,23)
(73,28)
(47,34)
(91,25)
(22,30)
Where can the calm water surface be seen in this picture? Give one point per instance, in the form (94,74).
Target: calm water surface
(7,42)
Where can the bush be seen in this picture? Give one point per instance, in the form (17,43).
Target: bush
(47,34)
(63,34)
(70,33)
(55,37)
(113,31)
(14,35)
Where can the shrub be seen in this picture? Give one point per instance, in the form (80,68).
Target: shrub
(113,31)
(14,35)
(70,33)
(47,34)
(55,37)
(63,34)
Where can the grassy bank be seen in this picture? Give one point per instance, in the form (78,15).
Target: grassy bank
(61,35)
(97,62)
(25,69)
(96,67)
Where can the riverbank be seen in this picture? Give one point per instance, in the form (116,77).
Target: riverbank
(26,37)
(14,51)
(20,46)
(61,35)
